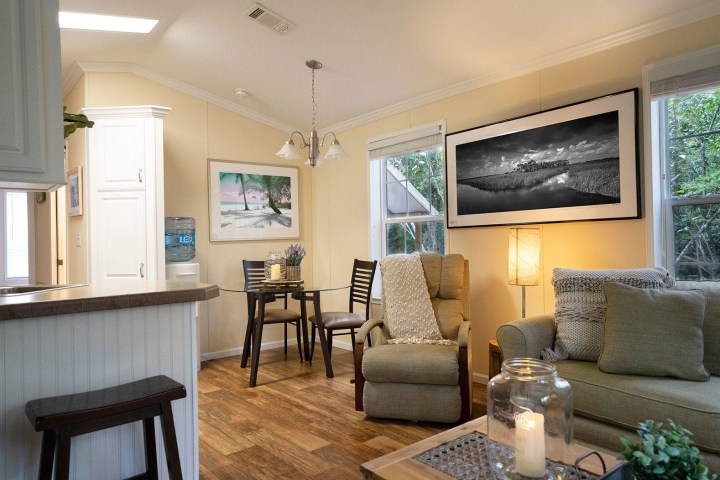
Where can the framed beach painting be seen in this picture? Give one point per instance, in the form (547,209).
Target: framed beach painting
(75,185)
(250,201)
(572,163)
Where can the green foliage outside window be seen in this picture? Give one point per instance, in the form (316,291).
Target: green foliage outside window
(421,182)
(693,147)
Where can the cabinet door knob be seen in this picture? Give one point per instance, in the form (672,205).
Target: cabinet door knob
(142,270)
(140,175)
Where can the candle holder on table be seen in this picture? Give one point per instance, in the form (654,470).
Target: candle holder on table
(529,421)
(275,266)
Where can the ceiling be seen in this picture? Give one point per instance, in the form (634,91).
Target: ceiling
(379,56)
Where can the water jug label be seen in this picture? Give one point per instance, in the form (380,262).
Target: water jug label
(186,239)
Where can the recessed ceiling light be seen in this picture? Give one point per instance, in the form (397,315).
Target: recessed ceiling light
(105,23)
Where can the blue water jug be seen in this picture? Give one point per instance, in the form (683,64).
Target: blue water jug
(179,239)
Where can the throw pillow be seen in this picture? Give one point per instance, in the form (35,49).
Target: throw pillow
(654,332)
(580,307)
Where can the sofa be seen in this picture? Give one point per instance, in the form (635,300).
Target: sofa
(658,355)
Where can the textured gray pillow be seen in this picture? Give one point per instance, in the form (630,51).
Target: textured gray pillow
(654,332)
(580,307)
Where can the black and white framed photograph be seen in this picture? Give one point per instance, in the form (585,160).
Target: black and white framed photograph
(572,163)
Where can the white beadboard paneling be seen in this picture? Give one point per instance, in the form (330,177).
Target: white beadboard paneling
(48,356)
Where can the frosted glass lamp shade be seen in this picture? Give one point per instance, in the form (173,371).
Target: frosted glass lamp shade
(335,152)
(524,256)
(289,151)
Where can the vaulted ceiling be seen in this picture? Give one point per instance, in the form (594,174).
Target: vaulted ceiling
(379,56)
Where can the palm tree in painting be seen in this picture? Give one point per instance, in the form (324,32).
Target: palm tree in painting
(274,187)
(240,178)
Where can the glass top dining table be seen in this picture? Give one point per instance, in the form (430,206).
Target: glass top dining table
(302,291)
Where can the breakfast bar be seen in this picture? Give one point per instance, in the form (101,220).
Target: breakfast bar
(82,338)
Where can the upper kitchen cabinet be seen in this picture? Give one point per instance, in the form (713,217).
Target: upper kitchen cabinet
(31,138)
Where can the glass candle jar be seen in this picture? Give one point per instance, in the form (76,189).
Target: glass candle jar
(529,421)
(275,266)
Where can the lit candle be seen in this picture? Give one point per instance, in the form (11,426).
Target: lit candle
(275,272)
(530,444)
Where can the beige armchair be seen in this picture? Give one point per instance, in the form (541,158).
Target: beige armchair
(421,382)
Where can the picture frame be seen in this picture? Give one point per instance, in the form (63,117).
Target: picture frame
(75,191)
(252,201)
(572,163)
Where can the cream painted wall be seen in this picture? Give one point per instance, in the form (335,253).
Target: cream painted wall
(340,190)
(195,131)
(77,256)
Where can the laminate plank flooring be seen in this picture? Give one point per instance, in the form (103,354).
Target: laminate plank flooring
(295,423)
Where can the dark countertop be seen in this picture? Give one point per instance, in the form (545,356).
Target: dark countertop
(103,296)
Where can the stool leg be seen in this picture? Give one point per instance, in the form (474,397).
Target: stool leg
(47,454)
(151,464)
(62,455)
(171,448)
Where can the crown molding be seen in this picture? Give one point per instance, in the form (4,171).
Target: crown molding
(572,53)
(582,50)
(79,68)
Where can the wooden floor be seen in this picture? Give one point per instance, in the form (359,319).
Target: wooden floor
(296,423)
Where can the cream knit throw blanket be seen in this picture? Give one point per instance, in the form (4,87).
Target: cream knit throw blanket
(407,309)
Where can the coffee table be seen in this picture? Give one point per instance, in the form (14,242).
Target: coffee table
(401,465)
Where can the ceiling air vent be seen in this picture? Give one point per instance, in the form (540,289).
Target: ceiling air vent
(269,19)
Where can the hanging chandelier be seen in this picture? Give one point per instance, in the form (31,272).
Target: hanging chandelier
(292,152)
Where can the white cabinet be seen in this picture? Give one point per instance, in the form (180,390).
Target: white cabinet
(126,193)
(31,139)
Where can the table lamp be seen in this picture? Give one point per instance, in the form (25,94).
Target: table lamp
(524,259)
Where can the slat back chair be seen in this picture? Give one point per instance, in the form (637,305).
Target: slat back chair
(345,323)
(254,271)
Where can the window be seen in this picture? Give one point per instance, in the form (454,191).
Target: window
(16,237)
(407,191)
(686,138)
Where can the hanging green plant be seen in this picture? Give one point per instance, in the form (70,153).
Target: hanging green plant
(74,121)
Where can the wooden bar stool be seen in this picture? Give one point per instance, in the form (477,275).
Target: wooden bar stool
(63,417)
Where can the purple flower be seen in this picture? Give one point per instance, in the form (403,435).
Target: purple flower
(294,255)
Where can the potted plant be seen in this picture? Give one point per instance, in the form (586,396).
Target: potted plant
(294,254)
(662,453)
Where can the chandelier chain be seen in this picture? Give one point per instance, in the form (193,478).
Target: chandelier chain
(314,105)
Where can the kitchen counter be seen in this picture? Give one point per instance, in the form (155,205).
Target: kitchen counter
(106,296)
(85,338)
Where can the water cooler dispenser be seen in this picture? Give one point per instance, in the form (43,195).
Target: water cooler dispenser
(179,250)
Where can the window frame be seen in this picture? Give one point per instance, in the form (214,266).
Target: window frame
(661,80)
(378,185)
(3,240)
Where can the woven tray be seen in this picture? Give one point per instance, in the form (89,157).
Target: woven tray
(466,458)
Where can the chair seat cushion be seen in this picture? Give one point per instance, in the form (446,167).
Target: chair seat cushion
(280,315)
(337,320)
(411,363)
(626,400)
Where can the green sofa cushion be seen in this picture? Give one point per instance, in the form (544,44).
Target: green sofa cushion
(626,400)
(654,332)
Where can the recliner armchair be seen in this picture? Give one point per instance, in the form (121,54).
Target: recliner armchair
(421,382)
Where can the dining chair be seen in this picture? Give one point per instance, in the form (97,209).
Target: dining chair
(254,271)
(345,323)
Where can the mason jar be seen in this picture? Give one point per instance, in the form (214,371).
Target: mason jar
(529,421)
